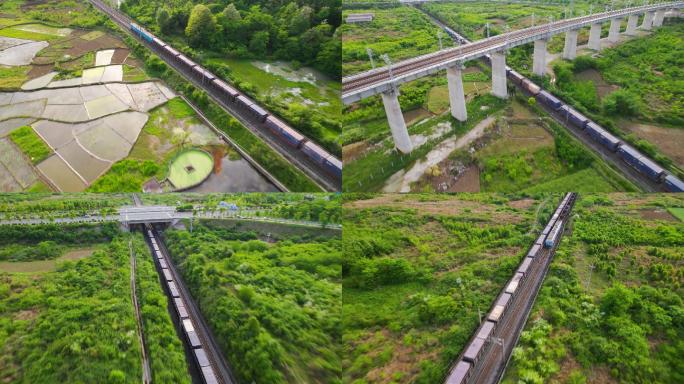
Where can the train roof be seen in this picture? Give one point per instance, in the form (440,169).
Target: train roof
(172,51)
(474,349)
(223,85)
(260,111)
(675,181)
(167,275)
(201,357)
(187,325)
(486,330)
(209,376)
(533,251)
(459,373)
(245,99)
(525,265)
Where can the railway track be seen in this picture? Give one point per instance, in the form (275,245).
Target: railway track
(638,179)
(223,373)
(381,75)
(322,179)
(493,355)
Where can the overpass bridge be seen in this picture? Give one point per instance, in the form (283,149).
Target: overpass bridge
(161,214)
(384,80)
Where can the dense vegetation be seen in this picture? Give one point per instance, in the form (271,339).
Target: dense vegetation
(417,271)
(31,144)
(19,204)
(647,76)
(274,308)
(74,325)
(400,32)
(289,30)
(625,319)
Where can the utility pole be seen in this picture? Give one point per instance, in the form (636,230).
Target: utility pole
(487,26)
(370,56)
(533,19)
(591,269)
(439,37)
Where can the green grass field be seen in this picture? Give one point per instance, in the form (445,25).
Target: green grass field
(11,78)
(311,104)
(31,144)
(190,168)
(677,212)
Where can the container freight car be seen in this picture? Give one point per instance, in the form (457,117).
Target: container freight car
(167,275)
(673,184)
(549,100)
(191,334)
(289,135)
(500,307)
(512,286)
(171,52)
(460,374)
(323,158)
(525,265)
(208,375)
(531,87)
(516,77)
(173,289)
(226,89)
(573,117)
(604,138)
(186,62)
(641,163)
(180,308)
(534,251)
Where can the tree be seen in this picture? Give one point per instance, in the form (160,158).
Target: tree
(230,13)
(201,27)
(258,45)
(622,102)
(164,19)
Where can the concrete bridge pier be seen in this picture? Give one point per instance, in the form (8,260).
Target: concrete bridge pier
(539,62)
(658,19)
(570,49)
(614,32)
(632,25)
(499,75)
(402,141)
(456,96)
(647,24)
(595,37)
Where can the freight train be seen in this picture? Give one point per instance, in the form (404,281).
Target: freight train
(505,303)
(282,131)
(629,155)
(204,367)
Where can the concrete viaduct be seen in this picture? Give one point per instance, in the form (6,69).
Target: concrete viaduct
(385,80)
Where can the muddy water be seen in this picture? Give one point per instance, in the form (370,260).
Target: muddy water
(283,69)
(21,54)
(402,180)
(235,176)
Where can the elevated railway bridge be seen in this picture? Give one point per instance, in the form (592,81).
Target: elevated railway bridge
(384,80)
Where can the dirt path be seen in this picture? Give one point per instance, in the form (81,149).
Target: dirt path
(402,180)
(147,375)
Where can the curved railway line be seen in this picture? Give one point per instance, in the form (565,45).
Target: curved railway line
(313,171)
(405,68)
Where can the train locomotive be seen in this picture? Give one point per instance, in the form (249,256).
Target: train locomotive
(629,155)
(283,132)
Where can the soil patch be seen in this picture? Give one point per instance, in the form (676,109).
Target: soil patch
(120,55)
(39,70)
(603,88)
(668,140)
(656,214)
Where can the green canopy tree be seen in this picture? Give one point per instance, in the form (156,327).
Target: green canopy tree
(201,27)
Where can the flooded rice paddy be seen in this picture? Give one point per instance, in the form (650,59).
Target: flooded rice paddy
(94,120)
